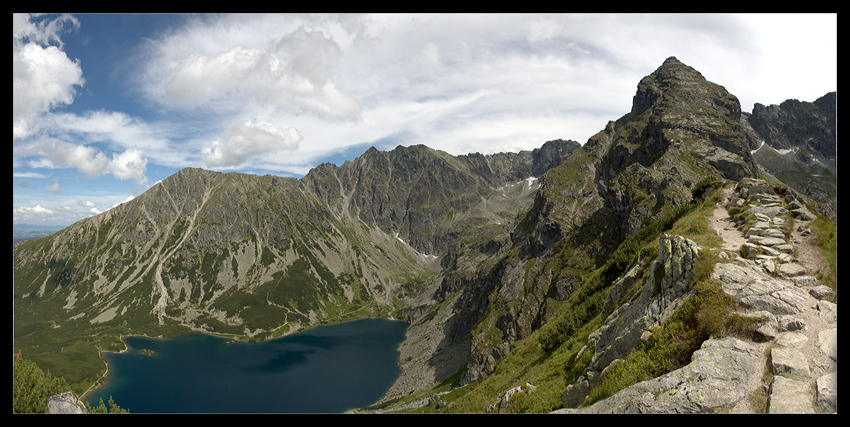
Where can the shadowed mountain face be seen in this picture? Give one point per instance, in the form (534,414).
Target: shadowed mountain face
(798,145)
(473,250)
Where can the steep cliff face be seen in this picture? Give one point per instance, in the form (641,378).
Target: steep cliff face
(681,129)
(798,146)
(428,198)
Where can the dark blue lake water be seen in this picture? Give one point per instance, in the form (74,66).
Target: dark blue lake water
(328,369)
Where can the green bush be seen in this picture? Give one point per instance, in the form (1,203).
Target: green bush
(32,387)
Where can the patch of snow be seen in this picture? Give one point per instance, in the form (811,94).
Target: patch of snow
(760,145)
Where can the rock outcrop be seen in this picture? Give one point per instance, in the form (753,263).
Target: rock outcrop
(65,403)
(665,290)
(716,379)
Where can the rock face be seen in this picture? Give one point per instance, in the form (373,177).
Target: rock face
(798,146)
(664,291)
(65,403)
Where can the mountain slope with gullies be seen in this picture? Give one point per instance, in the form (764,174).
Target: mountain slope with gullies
(255,257)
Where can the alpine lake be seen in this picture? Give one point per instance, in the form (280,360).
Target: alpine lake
(327,369)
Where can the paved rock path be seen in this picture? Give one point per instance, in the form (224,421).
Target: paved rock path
(773,277)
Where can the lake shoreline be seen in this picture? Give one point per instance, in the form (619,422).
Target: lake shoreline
(100,389)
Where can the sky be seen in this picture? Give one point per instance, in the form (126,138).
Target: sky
(107,105)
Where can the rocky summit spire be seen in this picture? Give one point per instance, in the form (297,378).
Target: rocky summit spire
(677,86)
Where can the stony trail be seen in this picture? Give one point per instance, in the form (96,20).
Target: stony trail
(799,339)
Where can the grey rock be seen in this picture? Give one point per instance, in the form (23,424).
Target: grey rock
(827,311)
(803,213)
(785,248)
(827,386)
(791,339)
(757,290)
(65,403)
(790,323)
(822,292)
(715,380)
(828,342)
(771,241)
(792,269)
(789,396)
(750,251)
(805,281)
(789,361)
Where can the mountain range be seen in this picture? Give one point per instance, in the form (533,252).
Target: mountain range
(476,252)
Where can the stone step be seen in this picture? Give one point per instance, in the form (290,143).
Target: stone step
(790,396)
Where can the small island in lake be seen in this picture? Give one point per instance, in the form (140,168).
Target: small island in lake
(146,352)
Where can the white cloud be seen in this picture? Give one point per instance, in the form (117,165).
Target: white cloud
(242,142)
(42,78)
(31,213)
(88,160)
(124,201)
(37,209)
(296,75)
(131,164)
(41,32)
(28,175)
(428,56)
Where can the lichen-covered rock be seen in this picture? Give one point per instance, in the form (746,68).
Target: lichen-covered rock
(757,290)
(785,396)
(714,381)
(65,403)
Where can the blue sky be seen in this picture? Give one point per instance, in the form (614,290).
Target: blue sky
(107,105)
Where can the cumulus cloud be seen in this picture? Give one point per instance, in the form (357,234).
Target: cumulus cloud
(27,212)
(244,141)
(124,201)
(43,76)
(296,75)
(129,164)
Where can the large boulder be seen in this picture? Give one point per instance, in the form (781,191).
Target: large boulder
(65,403)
